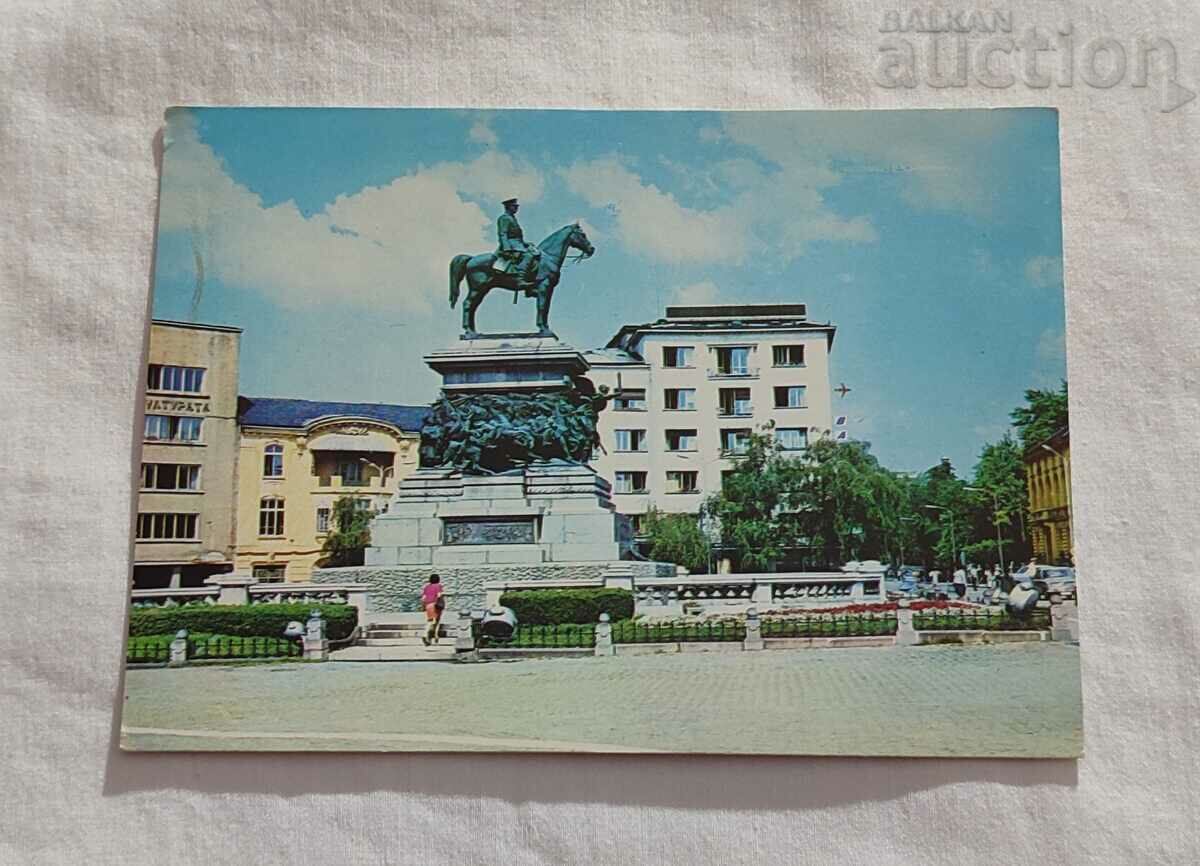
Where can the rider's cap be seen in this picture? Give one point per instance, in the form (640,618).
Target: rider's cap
(509,201)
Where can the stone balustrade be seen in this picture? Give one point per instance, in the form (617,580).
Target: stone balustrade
(167,597)
(237,589)
(764,591)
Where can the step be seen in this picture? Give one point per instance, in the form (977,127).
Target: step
(390,642)
(393,654)
(400,632)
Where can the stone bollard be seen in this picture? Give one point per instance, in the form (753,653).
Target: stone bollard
(179,649)
(464,639)
(1064,621)
(316,647)
(754,640)
(906,635)
(604,641)
(356,597)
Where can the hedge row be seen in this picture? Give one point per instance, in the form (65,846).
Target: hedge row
(248,620)
(555,606)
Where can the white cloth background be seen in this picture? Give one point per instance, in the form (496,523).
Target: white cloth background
(84,88)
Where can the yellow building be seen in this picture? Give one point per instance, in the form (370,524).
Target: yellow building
(1048,479)
(297,458)
(185,517)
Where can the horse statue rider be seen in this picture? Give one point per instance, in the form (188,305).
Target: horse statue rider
(518,267)
(514,254)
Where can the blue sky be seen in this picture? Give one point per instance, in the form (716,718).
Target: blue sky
(932,239)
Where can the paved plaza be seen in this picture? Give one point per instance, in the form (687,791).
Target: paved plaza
(1018,700)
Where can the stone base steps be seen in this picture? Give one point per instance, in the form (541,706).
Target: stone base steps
(407,641)
(397,638)
(359,653)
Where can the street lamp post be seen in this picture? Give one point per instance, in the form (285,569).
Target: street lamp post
(1066,478)
(995,521)
(901,534)
(953,543)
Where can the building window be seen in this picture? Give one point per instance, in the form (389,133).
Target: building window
(273,461)
(630,400)
(792,438)
(270,516)
(269,573)
(680,399)
(735,402)
(735,441)
(629,482)
(172,428)
(726,477)
(323,519)
(788,356)
(364,505)
(733,361)
(630,440)
(167,527)
(681,440)
(682,482)
(790,397)
(163,377)
(351,472)
(677,356)
(170,476)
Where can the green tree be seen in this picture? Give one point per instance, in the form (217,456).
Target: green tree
(677,538)
(754,510)
(846,504)
(1045,413)
(1003,502)
(835,501)
(351,535)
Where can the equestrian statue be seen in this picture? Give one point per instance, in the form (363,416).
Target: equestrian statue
(519,267)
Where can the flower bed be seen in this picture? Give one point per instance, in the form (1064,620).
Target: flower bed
(872,607)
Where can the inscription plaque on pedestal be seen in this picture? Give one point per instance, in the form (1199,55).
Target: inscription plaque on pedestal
(516,530)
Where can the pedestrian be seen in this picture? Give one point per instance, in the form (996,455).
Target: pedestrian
(960,582)
(989,579)
(433,599)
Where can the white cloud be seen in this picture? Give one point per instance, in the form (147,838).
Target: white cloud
(1050,358)
(481,133)
(942,158)
(383,247)
(773,214)
(1044,272)
(705,292)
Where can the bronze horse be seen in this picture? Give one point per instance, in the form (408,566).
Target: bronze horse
(482,278)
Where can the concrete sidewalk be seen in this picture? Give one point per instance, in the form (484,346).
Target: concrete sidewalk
(1020,700)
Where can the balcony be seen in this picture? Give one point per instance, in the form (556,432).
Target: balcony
(733,373)
(329,483)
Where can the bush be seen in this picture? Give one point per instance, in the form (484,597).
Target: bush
(554,606)
(249,620)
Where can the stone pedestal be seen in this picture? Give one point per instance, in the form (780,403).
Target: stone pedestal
(233,588)
(546,513)
(507,363)
(550,522)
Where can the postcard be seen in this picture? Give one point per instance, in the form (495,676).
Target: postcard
(606,431)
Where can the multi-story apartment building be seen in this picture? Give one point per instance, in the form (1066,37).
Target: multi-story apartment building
(1048,480)
(186,511)
(694,384)
(298,457)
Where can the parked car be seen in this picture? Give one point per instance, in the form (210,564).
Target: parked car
(1049,579)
